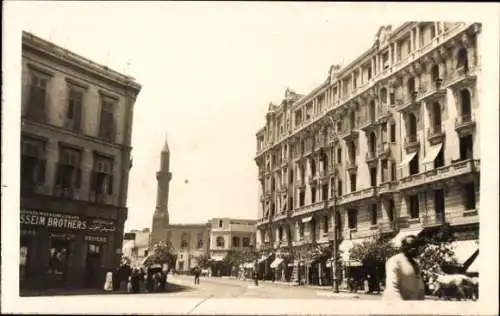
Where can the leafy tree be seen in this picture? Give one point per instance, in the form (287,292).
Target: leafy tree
(163,252)
(373,252)
(436,251)
(204,261)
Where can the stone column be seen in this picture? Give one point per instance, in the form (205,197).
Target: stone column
(412,41)
(417,32)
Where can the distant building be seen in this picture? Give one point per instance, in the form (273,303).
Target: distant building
(76,129)
(227,234)
(136,245)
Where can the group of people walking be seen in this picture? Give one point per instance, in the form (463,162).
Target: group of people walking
(136,280)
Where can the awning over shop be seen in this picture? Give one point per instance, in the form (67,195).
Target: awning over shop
(474,267)
(276,263)
(464,250)
(217,258)
(407,159)
(306,219)
(432,153)
(396,241)
(345,247)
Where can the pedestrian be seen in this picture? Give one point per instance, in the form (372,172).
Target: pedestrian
(163,281)
(135,281)
(116,280)
(403,275)
(197,272)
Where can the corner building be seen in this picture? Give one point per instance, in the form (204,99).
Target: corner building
(388,144)
(75,160)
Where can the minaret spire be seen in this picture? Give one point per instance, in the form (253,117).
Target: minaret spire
(163,177)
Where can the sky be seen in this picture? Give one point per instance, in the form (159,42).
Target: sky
(208,72)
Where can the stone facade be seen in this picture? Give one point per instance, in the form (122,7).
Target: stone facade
(386,143)
(227,234)
(75,160)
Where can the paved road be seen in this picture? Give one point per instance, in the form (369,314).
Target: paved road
(231,288)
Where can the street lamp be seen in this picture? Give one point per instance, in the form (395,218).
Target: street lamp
(335,285)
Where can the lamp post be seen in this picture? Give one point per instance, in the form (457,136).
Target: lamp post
(335,285)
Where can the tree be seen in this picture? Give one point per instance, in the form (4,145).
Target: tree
(436,251)
(373,252)
(204,261)
(163,253)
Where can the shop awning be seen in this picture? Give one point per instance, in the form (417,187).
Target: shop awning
(307,219)
(396,241)
(276,263)
(474,267)
(345,247)
(464,250)
(407,159)
(432,154)
(217,258)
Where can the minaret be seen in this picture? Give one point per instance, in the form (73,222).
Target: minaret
(163,177)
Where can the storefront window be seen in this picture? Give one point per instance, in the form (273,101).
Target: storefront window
(59,251)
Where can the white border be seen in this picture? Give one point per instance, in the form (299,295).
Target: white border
(487,14)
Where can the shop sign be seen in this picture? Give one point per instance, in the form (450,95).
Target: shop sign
(65,221)
(96,239)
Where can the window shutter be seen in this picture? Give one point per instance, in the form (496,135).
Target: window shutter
(110,184)
(41,170)
(78,178)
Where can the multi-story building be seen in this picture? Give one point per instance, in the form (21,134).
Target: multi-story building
(387,144)
(75,160)
(136,246)
(229,234)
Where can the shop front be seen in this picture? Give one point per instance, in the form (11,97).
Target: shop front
(66,251)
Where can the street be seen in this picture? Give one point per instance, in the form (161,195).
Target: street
(234,288)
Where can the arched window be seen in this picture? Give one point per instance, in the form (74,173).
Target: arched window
(313,166)
(462,59)
(412,126)
(185,240)
(383,95)
(435,73)
(352,119)
(411,85)
(236,241)
(352,151)
(280,233)
(465,104)
(436,114)
(373,142)
(372,110)
(246,241)
(219,241)
(324,161)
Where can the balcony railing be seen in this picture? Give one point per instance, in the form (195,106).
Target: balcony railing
(357,195)
(436,219)
(350,132)
(312,179)
(383,112)
(440,174)
(435,134)
(411,142)
(431,90)
(383,150)
(387,187)
(371,156)
(351,165)
(464,122)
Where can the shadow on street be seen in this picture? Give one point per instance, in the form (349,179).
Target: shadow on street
(170,288)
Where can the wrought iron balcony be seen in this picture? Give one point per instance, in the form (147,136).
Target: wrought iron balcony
(350,133)
(431,90)
(383,113)
(409,99)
